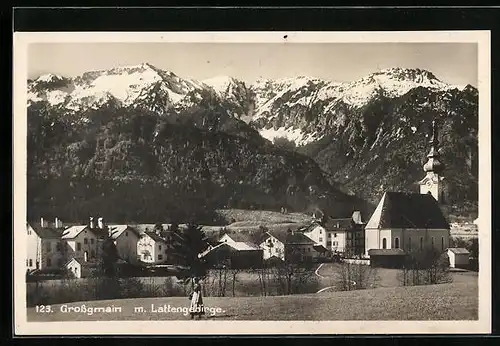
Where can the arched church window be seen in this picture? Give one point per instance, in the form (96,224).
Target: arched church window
(384,243)
(396,242)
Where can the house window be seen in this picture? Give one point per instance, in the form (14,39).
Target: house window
(159,247)
(421,243)
(49,248)
(27,263)
(396,242)
(49,262)
(29,231)
(31,263)
(58,247)
(160,257)
(384,243)
(320,238)
(91,240)
(329,235)
(92,253)
(309,249)
(85,241)
(78,246)
(320,231)
(335,235)
(409,244)
(442,243)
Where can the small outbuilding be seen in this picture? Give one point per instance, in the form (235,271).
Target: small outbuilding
(79,268)
(387,258)
(459,257)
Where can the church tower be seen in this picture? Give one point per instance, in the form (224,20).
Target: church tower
(433,182)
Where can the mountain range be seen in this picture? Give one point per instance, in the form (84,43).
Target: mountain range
(153,142)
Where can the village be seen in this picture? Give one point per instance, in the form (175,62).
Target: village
(402,222)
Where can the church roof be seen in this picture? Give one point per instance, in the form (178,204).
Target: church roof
(407,210)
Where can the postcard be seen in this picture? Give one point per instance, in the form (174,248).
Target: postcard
(221,183)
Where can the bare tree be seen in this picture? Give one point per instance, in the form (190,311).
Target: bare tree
(354,276)
(234,278)
(295,274)
(263,273)
(425,267)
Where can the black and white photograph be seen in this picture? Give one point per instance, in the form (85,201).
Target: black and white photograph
(266,182)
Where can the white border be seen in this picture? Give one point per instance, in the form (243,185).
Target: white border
(483,325)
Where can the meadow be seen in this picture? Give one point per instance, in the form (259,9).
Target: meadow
(455,301)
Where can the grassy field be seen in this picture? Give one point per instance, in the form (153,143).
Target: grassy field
(387,277)
(261,216)
(455,301)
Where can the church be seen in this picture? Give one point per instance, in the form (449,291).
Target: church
(404,222)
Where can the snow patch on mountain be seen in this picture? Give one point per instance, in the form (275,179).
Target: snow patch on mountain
(292,134)
(220,84)
(126,84)
(49,77)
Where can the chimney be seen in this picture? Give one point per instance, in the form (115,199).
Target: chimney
(91,224)
(42,222)
(100,223)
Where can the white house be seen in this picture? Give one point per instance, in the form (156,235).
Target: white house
(318,234)
(81,241)
(459,257)
(79,268)
(152,248)
(338,235)
(272,247)
(281,244)
(44,247)
(125,238)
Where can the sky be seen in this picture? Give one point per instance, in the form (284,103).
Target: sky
(454,63)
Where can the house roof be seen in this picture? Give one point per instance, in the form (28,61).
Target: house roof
(117,230)
(408,210)
(90,264)
(338,224)
(386,252)
(239,237)
(215,248)
(291,237)
(459,251)
(310,227)
(320,248)
(73,231)
(245,246)
(46,232)
(155,236)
